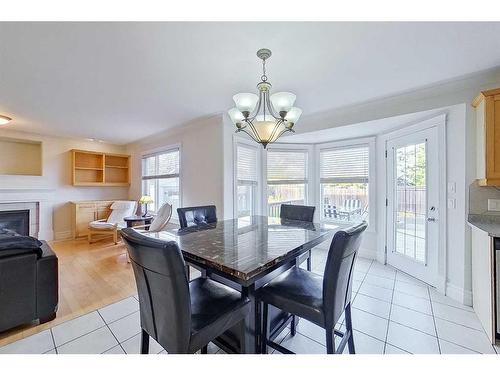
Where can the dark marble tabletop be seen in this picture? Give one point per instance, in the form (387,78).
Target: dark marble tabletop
(245,247)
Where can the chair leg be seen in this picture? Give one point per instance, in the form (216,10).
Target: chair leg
(115,236)
(293,328)
(330,341)
(348,324)
(309,261)
(204,350)
(265,328)
(188,273)
(90,237)
(145,343)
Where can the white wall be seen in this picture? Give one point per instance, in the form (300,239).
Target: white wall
(202,161)
(53,189)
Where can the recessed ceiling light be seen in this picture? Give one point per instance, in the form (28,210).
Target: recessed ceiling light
(4,120)
(90,139)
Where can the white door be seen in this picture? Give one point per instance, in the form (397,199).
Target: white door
(412,204)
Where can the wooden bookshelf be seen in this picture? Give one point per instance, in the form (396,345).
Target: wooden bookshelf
(90,168)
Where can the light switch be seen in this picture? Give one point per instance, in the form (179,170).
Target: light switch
(493,204)
(452,187)
(452,203)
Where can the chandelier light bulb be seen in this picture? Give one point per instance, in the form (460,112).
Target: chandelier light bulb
(235,115)
(245,102)
(283,101)
(292,116)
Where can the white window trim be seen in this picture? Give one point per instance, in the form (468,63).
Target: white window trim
(310,172)
(372,183)
(160,150)
(258,193)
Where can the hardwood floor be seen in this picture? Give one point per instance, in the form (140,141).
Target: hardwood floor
(90,276)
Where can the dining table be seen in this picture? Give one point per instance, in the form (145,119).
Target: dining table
(245,254)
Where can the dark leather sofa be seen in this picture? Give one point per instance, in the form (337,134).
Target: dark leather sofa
(28,286)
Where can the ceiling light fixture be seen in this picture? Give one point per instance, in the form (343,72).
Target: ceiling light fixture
(264,117)
(4,120)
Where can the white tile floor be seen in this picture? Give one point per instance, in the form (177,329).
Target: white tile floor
(392,314)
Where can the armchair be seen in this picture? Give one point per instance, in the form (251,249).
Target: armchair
(111,225)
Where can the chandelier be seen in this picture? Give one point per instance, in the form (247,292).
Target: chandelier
(264,117)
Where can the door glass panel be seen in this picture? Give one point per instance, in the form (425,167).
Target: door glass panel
(411,201)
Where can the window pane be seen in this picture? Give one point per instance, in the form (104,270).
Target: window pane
(168,192)
(149,168)
(344,201)
(245,200)
(286,165)
(149,188)
(410,205)
(247,177)
(246,163)
(284,194)
(168,163)
(344,164)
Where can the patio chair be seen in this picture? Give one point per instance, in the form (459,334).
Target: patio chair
(111,225)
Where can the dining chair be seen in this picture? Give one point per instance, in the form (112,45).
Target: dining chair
(320,300)
(182,316)
(301,213)
(194,216)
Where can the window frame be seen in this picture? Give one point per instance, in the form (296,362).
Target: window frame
(372,199)
(310,171)
(238,141)
(156,152)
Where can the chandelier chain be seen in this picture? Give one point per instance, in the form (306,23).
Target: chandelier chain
(264,76)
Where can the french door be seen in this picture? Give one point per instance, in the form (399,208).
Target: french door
(412,204)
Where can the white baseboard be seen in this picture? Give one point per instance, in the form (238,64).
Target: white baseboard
(63,235)
(459,294)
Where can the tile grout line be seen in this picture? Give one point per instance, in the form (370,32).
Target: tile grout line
(118,341)
(390,312)
(434,320)
(53,340)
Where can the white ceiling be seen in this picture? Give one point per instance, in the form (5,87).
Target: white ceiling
(123,81)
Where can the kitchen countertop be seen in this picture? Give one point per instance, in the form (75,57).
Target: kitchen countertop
(487,223)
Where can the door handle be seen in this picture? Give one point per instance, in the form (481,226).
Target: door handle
(433,219)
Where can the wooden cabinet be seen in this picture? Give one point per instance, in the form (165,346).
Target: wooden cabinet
(86,211)
(487,105)
(91,168)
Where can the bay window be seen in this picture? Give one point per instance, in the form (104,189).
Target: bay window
(344,182)
(286,179)
(160,178)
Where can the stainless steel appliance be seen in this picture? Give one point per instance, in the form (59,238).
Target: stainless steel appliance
(497,285)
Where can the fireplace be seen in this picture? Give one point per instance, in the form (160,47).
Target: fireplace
(17,221)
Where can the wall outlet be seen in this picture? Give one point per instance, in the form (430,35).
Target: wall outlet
(493,204)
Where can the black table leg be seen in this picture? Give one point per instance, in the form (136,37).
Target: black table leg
(251,330)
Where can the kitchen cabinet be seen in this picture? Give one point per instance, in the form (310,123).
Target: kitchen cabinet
(487,105)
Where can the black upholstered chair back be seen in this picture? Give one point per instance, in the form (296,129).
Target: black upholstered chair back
(296,212)
(163,287)
(337,280)
(193,216)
